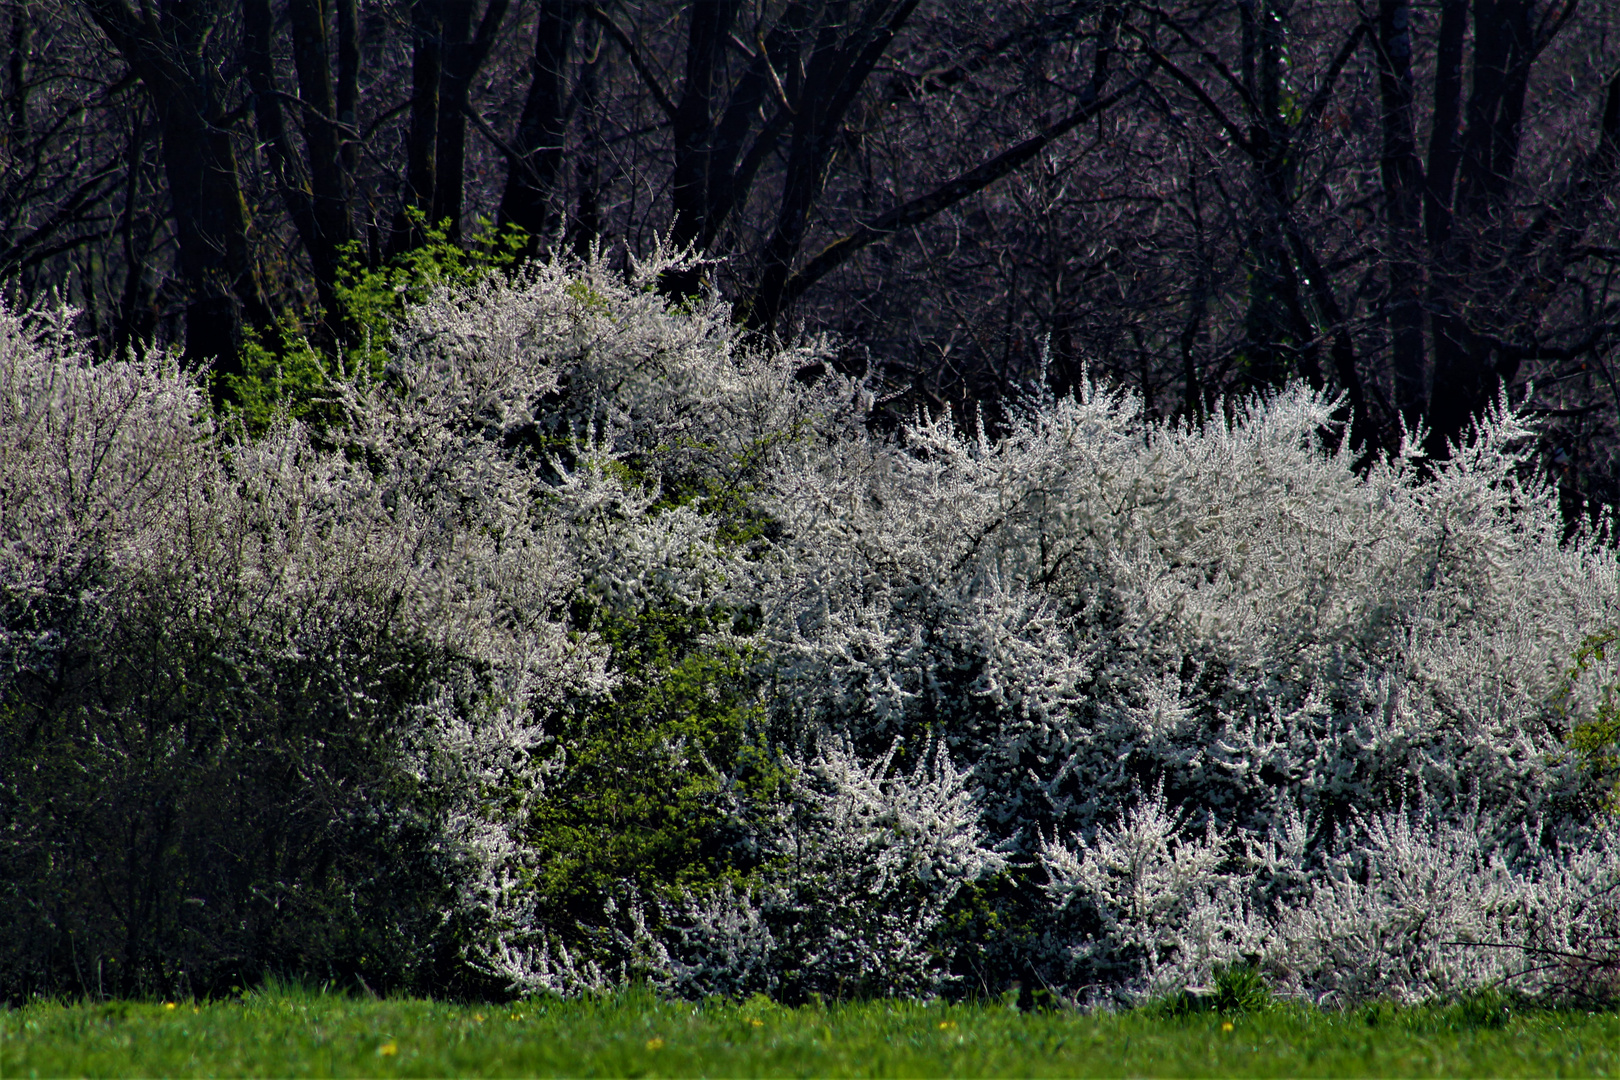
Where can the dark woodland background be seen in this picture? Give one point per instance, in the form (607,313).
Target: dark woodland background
(1408,204)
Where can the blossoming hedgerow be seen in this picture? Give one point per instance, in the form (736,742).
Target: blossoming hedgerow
(593,643)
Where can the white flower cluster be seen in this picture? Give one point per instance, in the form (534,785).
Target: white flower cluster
(1159,646)
(1417,906)
(219,654)
(868,858)
(1175,698)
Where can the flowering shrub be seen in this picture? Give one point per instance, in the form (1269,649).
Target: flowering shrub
(257,695)
(863,861)
(1164,649)
(591,643)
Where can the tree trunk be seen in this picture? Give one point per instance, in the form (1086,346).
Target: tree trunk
(199,158)
(1280,340)
(585,231)
(421,168)
(19,45)
(450,133)
(286,166)
(839,65)
(446,58)
(732,162)
(1465,378)
(136,317)
(348,86)
(531,182)
(464,56)
(329,179)
(693,120)
(212,223)
(1402,181)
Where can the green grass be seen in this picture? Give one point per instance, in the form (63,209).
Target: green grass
(287,1032)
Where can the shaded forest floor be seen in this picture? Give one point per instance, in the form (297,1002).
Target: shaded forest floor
(285,1031)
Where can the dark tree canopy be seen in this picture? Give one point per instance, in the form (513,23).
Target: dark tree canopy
(1410,204)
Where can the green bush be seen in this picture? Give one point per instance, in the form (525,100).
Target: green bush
(283,372)
(661,779)
(1596,738)
(373,298)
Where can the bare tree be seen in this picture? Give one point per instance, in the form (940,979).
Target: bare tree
(173,50)
(536,150)
(77,159)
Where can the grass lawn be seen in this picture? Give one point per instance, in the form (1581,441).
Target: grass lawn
(288,1032)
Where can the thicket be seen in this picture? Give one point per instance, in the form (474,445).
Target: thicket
(579,640)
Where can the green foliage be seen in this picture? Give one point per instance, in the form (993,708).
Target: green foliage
(372,298)
(284,1031)
(729,495)
(662,779)
(1596,740)
(1239,990)
(287,375)
(283,370)
(990,926)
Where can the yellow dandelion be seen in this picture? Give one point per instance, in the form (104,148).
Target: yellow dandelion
(757,1022)
(946,1025)
(655,1044)
(168,1005)
(1226,1025)
(388,1049)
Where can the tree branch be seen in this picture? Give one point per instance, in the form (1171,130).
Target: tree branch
(1237,134)
(941,198)
(770,72)
(1209,57)
(500,144)
(306,107)
(1318,102)
(639,62)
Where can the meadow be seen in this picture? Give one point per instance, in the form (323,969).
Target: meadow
(286,1031)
